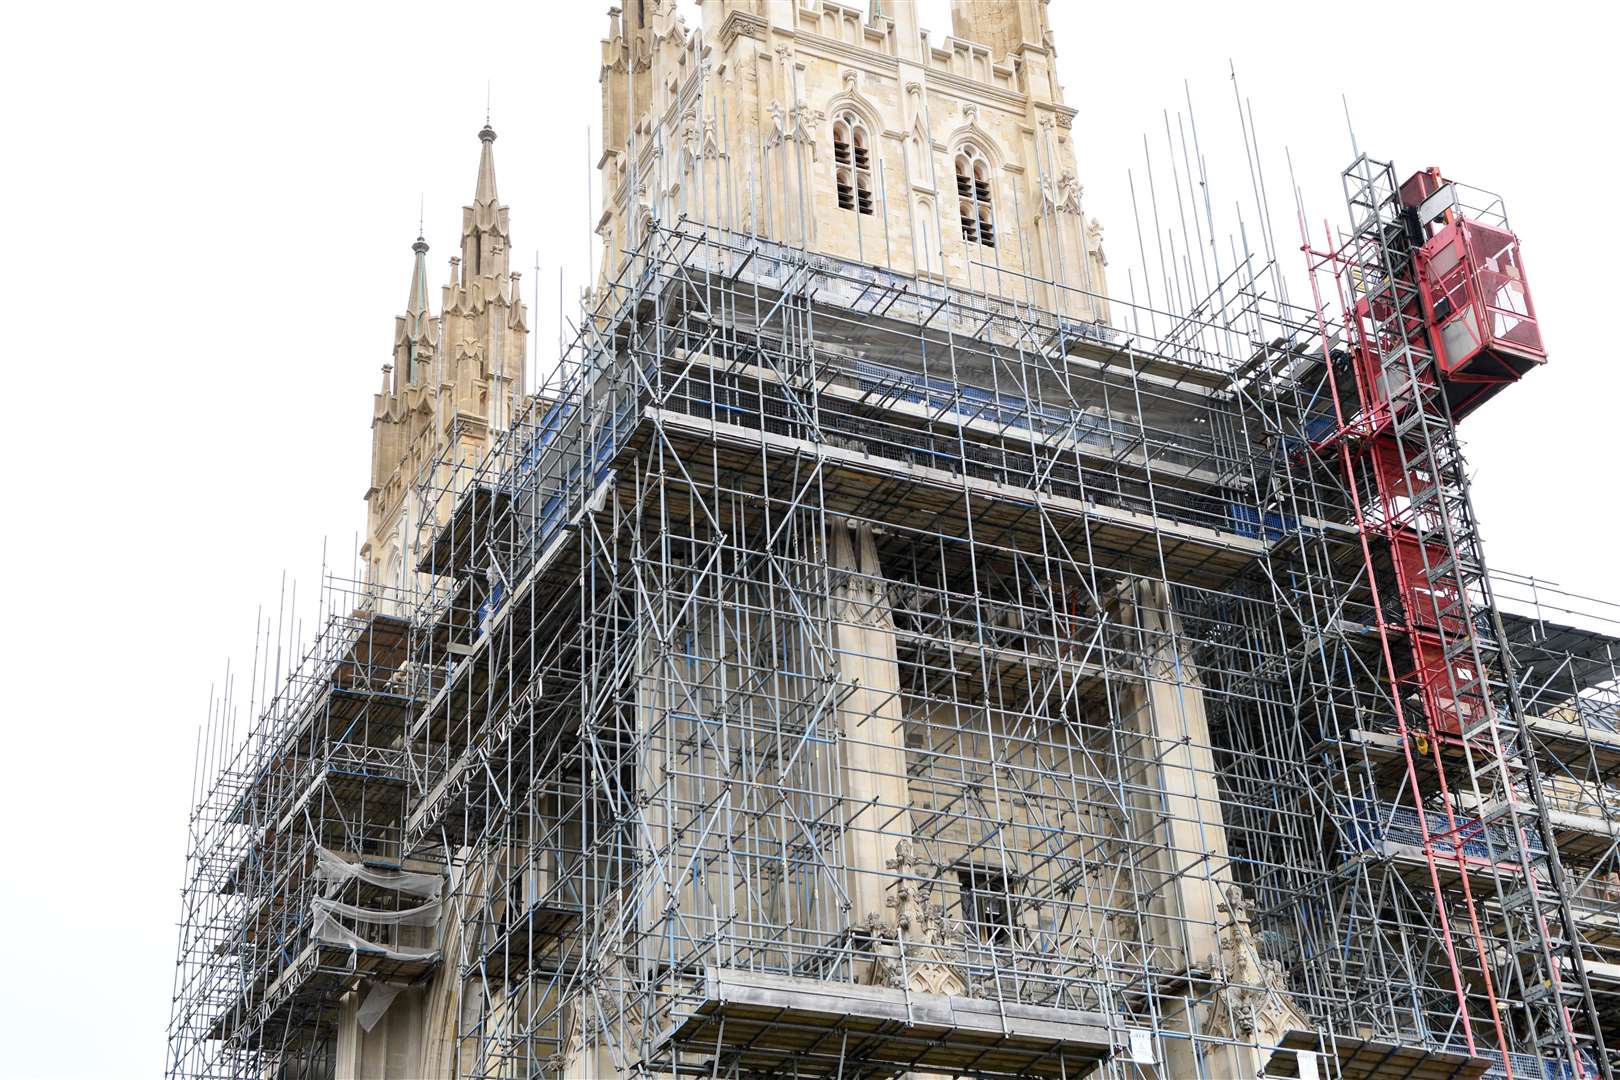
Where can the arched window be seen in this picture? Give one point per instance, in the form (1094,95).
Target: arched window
(973,197)
(852,163)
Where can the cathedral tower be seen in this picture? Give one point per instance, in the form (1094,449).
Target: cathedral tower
(855,136)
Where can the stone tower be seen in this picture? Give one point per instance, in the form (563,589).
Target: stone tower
(454,381)
(856,136)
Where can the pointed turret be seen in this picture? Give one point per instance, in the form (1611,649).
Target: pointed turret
(483,224)
(486,166)
(456,379)
(416,333)
(484,322)
(417,305)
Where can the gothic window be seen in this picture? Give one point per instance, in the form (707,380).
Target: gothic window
(852,163)
(987,903)
(973,197)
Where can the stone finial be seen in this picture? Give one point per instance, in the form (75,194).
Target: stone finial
(416,306)
(485,192)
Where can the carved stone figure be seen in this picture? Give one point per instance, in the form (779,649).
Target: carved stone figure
(914,948)
(1254,1002)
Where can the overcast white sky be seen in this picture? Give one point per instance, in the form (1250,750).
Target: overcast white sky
(207,215)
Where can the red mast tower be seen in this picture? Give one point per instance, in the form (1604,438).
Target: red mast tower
(1439,321)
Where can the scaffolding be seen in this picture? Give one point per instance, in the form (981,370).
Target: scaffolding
(833,672)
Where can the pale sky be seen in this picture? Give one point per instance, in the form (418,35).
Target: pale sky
(208,212)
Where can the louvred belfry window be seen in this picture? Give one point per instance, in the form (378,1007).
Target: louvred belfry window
(973,197)
(852,163)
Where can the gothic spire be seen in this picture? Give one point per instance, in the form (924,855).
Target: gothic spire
(483,224)
(417,307)
(486,166)
(415,332)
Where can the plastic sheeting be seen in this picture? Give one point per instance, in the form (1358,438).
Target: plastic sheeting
(425,915)
(331,916)
(336,870)
(377,1001)
(329,929)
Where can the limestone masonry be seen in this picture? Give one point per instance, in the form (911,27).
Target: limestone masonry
(886,642)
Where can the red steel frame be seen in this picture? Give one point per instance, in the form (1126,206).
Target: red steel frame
(1348,429)
(1435,629)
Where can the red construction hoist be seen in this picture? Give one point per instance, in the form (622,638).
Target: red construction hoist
(1439,320)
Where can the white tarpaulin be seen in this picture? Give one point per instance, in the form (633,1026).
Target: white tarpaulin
(332,917)
(330,929)
(377,1001)
(336,870)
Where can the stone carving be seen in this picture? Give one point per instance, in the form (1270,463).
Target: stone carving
(710,147)
(1254,1000)
(1063,194)
(699,137)
(798,123)
(912,949)
(690,131)
(806,122)
(742,24)
(468,348)
(1094,245)
(778,123)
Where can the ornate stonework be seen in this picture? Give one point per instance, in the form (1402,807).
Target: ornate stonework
(1254,1003)
(917,947)
(759,82)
